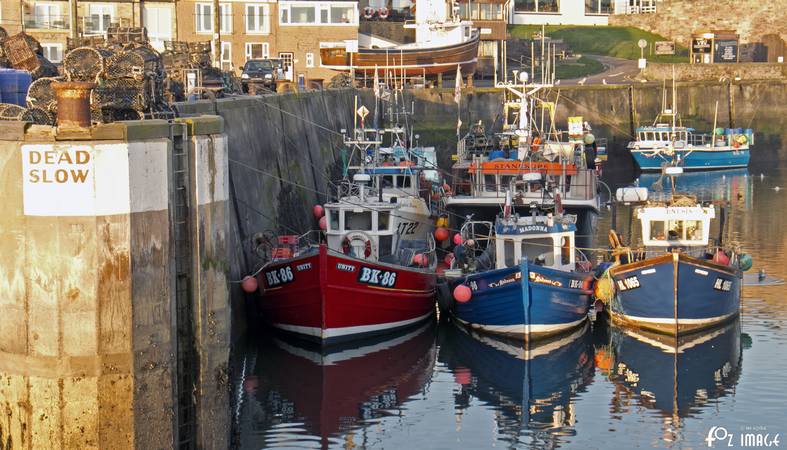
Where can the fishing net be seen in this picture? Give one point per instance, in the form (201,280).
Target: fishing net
(85,63)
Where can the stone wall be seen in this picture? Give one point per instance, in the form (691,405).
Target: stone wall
(677,19)
(714,72)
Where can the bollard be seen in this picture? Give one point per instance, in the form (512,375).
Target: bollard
(73,103)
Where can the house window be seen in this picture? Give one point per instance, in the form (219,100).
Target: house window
(598,7)
(226,18)
(226,56)
(158,21)
(537,6)
(490,11)
(338,13)
(99,19)
(342,14)
(45,15)
(257,50)
(204,16)
(258,19)
(53,52)
(310,60)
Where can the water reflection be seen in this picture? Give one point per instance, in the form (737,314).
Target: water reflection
(674,377)
(726,185)
(299,395)
(532,388)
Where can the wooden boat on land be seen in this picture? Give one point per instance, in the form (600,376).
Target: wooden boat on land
(442,42)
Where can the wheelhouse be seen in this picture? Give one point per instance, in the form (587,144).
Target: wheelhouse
(540,239)
(676,226)
(663,135)
(361,232)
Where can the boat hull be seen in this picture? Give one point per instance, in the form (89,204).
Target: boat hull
(546,302)
(696,159)
(674,293)
(426,60)
(329,297)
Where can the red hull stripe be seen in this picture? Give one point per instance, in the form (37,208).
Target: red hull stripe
(346,331)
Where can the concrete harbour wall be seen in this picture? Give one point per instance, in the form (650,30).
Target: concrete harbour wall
(92,307)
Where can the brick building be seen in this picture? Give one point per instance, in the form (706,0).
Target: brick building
(290,30)
(50,21)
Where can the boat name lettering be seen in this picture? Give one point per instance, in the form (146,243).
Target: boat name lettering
(282,275)
(575,284)
(305,266)
(406,227)
(538,278)
(506,280)
(532,228)
(722,285)
(628,283)
(681,210)
(345,267)
(473,285)
(377,277)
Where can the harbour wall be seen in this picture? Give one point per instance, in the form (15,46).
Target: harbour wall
(115,307)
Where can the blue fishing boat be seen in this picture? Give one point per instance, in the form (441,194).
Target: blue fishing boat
(677,281)
(522,278)
(668,143)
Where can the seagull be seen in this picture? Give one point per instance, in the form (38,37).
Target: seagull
(557,82)
(582,81)
(777,189)
(604,80)
(762,176)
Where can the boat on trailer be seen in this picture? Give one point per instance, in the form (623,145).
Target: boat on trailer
(443,41)
(678,281)
(373,270)
(521,279)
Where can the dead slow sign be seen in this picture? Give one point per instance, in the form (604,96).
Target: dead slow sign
(280,276)
(377,277)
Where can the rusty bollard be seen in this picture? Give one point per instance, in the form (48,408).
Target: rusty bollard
(73,103)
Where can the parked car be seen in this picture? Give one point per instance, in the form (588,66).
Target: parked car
(258,72)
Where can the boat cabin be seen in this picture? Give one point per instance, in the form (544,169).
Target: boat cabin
(663,135)
(362,232)
(675,226)
(543,240)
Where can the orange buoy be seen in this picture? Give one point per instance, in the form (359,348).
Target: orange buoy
(318,211)
(441,234)
(458,239)
(462,293)
(323,223)
(721,258)
(449,258)
(420,260)
(249,284)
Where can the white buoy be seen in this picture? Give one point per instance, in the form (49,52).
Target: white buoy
(777,189)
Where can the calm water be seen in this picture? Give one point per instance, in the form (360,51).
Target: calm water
(439,387)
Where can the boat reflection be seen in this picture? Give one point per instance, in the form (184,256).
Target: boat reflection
(674,377)
(531,386)
(301,395)
(729,185)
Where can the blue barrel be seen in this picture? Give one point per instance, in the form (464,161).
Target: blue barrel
(513,154)
(495,154)
(14,85)
(727,131)
(749,132)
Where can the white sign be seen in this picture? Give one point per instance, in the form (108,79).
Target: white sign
(642,63)
(58,181)
(351,45)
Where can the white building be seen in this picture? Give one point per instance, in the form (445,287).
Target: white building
(574,12)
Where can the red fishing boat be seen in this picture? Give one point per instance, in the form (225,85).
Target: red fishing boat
(372,270)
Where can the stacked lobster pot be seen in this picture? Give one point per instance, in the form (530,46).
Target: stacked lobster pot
(183,59)
(128,75)
(24,52)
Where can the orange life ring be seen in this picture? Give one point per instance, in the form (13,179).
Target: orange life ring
(368,12)
(383,12)
(536,144)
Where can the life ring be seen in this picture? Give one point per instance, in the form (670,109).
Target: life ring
(355,236)
(368,12)
(536,144)
(383,13)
